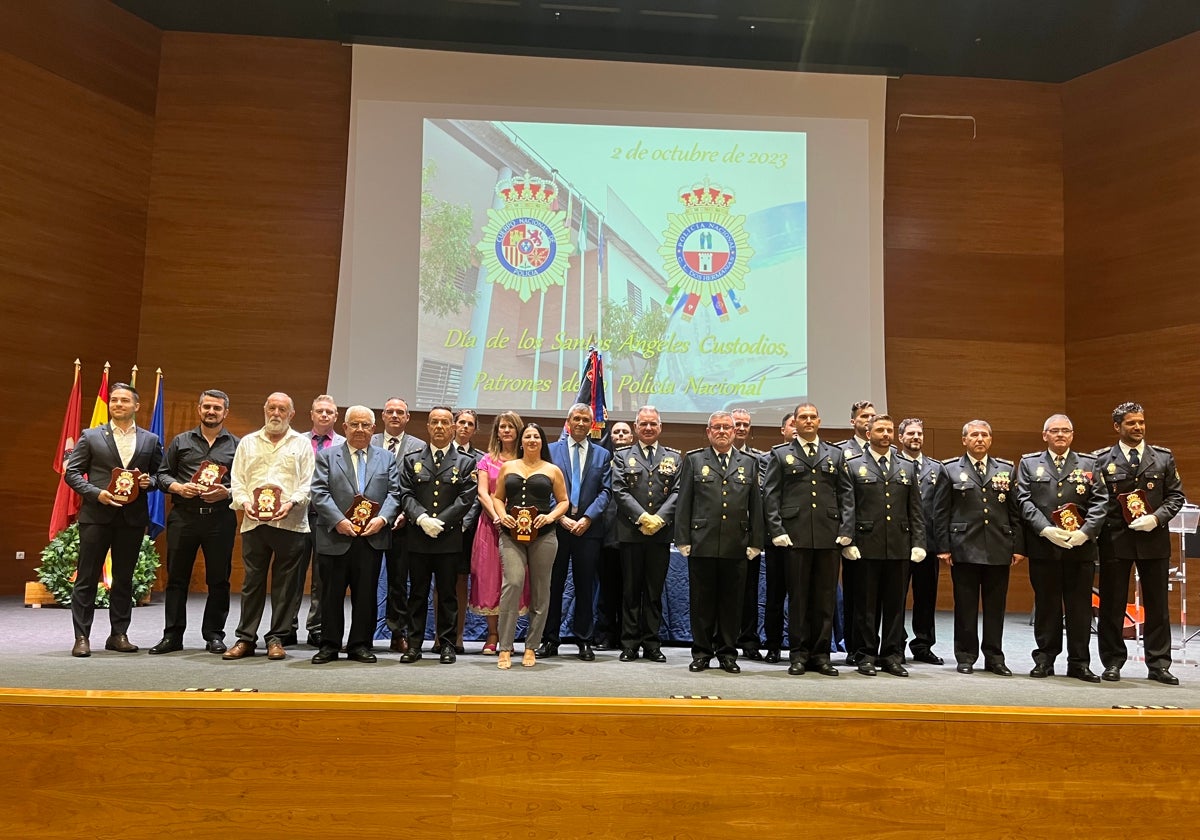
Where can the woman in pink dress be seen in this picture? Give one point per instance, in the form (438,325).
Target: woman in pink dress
(486,576)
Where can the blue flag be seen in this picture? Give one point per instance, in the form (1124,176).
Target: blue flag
(154,500)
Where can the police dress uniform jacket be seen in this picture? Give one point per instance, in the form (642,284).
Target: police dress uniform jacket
(930,472)
(642,485)
(334,487)
(719,512)
(978,518)
(1042,488)
(882,512)
(445,492)
(1158,477)
(801,494)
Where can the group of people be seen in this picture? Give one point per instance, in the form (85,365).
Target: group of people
(498,532)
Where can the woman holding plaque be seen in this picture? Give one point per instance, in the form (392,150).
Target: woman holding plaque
(528,543)
(486,573)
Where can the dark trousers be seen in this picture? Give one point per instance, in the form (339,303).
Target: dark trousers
(879,609)
(923,578)
(812,592)
(441,569)
(582,556)
(95,542)
(190,530)
(1114,594)
(716,605)
(644,574)
(776,594)
(610,596)
(308,560)
(973,582)
(849,622)
(397,613)
(357,570)
(270,550)
(1062,587)
(748,638)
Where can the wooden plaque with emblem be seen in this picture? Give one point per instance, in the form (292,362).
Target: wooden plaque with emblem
(1067,517)
(209,474)
(1133,504)
(523,531)
(266,501)
(124,484)
(361,512)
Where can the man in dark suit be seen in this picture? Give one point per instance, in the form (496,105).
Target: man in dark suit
(587,468)
(1141,539)
(107,524)
(396,439)
(861,413)
(776,571)
(645,482)
(719,528)
(980,535)
(1061,543)
(881,512)
(609,590)
(802,501)
(350,547)
(437,488)
(923,577)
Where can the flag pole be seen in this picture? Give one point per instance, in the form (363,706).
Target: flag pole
(133,376)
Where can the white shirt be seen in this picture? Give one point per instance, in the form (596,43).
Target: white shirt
(126,442)
(288,463)
(982,462)
(583,452)
(1140,449)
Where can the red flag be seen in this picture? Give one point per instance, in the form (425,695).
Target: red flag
(66,500)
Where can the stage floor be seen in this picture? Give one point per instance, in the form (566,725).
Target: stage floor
(36,654)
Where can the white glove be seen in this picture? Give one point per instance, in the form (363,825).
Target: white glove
(752,552)
(782,541)
(430,525)
(851,552)
(685,550)
(1145,522)
(844,541)
(1077,538)
(917,555)
(1057,536)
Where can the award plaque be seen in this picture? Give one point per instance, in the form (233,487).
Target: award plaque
(1067,517)
(209,475)
(267,500)
(362,511)
(523,531)
(124,484)
(1133,504)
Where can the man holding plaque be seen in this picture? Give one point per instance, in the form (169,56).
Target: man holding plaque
(1063,501)
(195,472)
(271,478)
(1144,494)
(111,467)
(355,493)
(437,489)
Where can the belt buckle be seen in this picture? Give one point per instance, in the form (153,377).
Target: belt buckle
(204,511)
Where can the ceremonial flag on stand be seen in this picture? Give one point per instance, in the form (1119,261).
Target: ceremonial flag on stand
(66,500)
(100,412)
(154,499)
(591,392)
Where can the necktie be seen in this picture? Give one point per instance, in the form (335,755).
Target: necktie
(437,457)
(392,444)
(812,450)
(1058,462)
(979,469)
(1134,460)
(576,472)
(883,465)
(319,442)
(464,450)
(650,453)
(360,468)
(723,458)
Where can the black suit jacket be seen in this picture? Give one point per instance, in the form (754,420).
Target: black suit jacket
(89,470)
(881,512)
(979,520)
(445,492)
(1158,477)
(719,512)
(1042,488)
(931,473)
(802,496)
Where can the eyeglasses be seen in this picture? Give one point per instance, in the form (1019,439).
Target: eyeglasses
(1060,431)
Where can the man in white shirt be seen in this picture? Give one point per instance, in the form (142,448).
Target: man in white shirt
(275,455)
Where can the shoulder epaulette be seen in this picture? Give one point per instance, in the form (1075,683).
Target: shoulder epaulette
(694,451)
(1085,455)
(781,446)
(1003,461)
(1161,449)
(948,461)
(668,449)
(623,448)
(851,456)
(1037,454)
(1101,451)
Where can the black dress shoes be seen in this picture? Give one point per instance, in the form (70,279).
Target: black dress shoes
(1111,674)
(167,645)
(413,654)
(546,650)
(120,643)
(965,668)
(999,669)
(1084,673)
(894,668)
(825,669)
(448,656)
(773,656)
(753,653)
(586,654)
(928,657)
(314,639)
(655,655)
(359,654)
(867,669)
(699,664)
(81,647)
(1041,670)
(399,643)
(324,655)
(851,660)
(215,646)
(729,665)
(796,669)
(628,655)
(1163,676)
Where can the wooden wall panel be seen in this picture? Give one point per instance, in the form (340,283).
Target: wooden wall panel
(75,145)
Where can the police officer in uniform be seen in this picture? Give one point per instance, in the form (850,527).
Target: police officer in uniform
(923,577)
(748,639)
(1131,466)
(861,413)
(1062,504)
(718,527)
